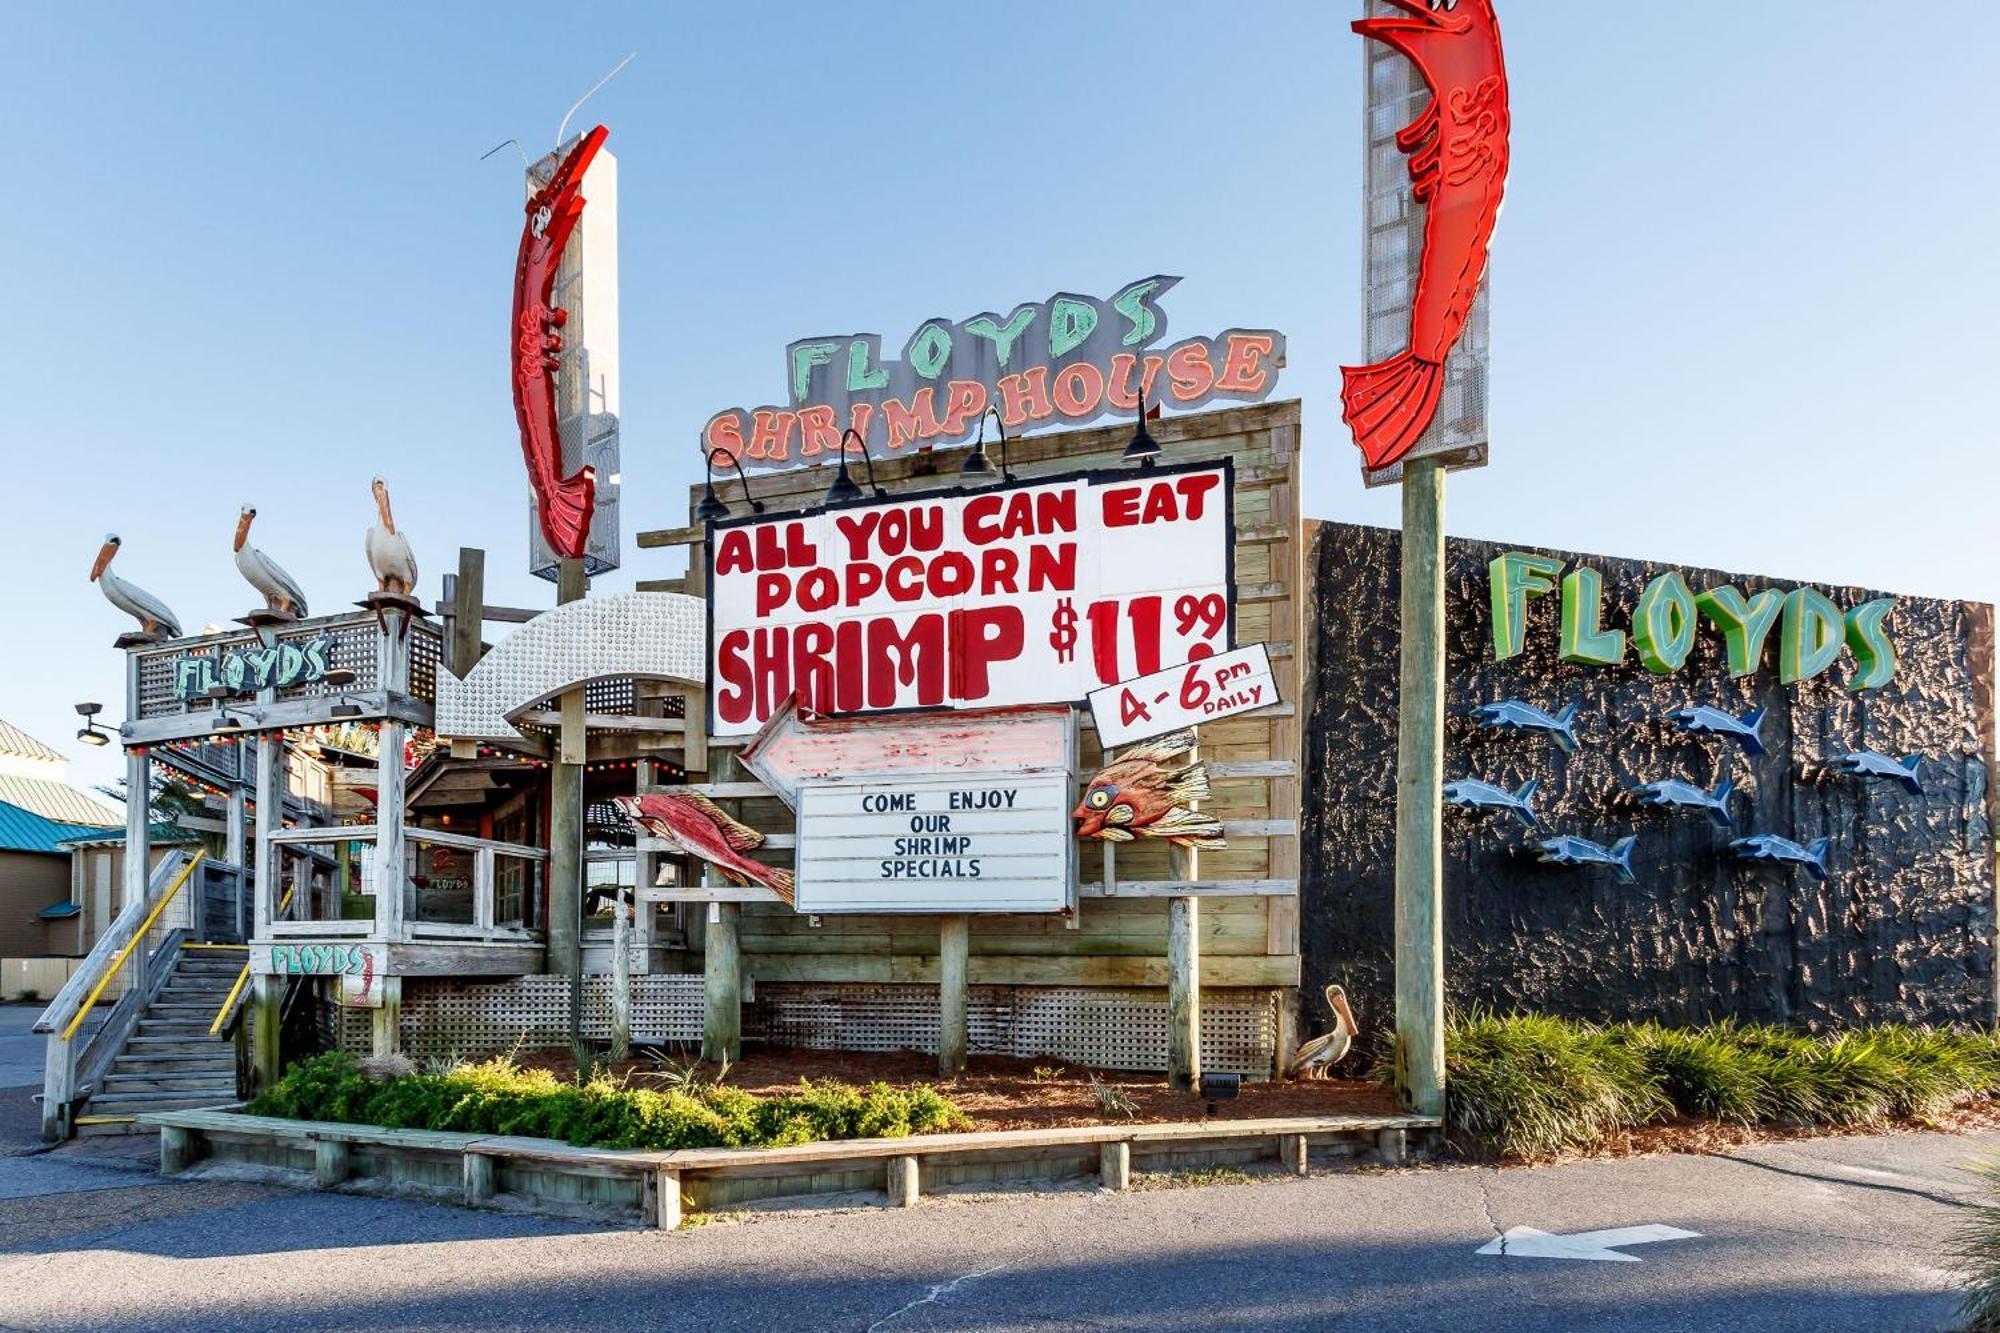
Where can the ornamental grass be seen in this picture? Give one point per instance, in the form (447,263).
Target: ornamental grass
(498,1096)
(1532,1087)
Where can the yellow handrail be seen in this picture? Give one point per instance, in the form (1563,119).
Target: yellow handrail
(222,1014)
(131,944)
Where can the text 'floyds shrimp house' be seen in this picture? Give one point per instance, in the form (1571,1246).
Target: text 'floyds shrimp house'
(1065,361)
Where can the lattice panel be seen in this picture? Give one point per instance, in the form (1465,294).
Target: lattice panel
(1102,1029)
(1105,1029)
(469,1018)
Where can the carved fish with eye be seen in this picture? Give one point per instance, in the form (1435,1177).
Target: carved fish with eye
(1137,797)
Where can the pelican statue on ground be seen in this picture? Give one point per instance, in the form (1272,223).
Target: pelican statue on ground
(1321,1054)
(389,554)
(156,621)
(281,590)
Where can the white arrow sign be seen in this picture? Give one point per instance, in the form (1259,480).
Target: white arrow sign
(1528,1243)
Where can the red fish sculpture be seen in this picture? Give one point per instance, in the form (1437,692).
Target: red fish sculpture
(565,503)
(701,828)
(1139,797)
(1458,171)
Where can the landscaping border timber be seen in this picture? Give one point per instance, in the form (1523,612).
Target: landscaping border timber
(656,1188)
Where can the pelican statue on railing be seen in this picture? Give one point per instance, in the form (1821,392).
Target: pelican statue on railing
(281,590)
(156,621)
(1321,1054)
(389,555)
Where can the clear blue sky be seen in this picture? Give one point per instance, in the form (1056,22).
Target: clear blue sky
(1743,290)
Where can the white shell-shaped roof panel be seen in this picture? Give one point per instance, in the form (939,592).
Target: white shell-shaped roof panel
(650,635)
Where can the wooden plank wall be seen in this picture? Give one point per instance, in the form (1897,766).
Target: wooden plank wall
(1246,941)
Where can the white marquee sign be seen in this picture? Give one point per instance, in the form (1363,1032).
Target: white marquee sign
(953,843)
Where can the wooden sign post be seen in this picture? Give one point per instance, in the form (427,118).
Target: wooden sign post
(1420,795)
(566,832)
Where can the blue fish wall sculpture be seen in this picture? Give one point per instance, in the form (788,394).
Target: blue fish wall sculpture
(1869,764)
(1674,792)
(1714,721)
(1567,851)
(1472,794)
(1513,715)
(1771,847)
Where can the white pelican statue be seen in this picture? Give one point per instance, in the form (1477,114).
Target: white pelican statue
(156,621)
(1322,1053)
(281,591)
(389,554)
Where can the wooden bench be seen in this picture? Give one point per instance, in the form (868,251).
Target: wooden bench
(661,1176)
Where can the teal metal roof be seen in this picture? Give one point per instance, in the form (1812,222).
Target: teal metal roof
(25,831)
(60,911)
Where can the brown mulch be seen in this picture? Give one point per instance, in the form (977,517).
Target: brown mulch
(1708,1136)
(1002,1093)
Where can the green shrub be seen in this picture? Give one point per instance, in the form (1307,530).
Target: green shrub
(1975,1253)
(1531,1086)
(499,1097)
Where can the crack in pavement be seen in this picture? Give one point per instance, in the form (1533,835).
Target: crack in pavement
(1945,1199)
(936,1291)
(1486,1205)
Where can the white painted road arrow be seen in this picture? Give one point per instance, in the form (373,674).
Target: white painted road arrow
(1528,1243)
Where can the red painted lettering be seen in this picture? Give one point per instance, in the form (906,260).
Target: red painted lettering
(983,636)
(998,568)
(901,659)
(734,701)
(773,591)
(1052,568)
(732,553)
(964,401)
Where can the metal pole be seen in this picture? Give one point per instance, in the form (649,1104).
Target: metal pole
(1420,795)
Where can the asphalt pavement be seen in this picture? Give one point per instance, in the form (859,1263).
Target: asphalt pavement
(1826,1234)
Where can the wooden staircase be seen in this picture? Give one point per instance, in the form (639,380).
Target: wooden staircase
(171,1062)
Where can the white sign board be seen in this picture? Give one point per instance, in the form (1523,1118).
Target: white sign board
(1021,594)
(1202,691)
(955,843)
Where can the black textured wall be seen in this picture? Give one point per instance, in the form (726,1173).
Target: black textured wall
(1905,930)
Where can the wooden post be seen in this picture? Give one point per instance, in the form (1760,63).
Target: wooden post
(138,866)
(1294,1153)
(1114,1165)
(621,977)
(385,1021)
(1183,993)
(566,833)
(667,1199)
(902,1182)
(1184,970)
(722,1033)
(176,1149)
(330,1162)
(468,610)
(478,1179)
(1420,795)
(954,994)
(266,1003)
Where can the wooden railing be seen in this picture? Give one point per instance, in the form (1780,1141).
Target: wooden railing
(71,1067)
(484,923)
